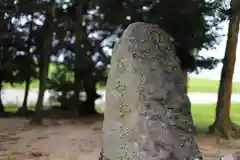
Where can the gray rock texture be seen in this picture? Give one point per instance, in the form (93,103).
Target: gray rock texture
(147,114)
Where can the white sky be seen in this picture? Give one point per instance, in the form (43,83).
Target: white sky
(219,53)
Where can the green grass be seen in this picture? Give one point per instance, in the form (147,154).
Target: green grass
(195,85)
(204,114)
(13,108)
(34,84)
(208,86)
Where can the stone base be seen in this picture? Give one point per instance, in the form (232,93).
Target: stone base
(102,157)
(235,156)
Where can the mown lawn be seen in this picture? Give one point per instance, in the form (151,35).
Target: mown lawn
(204,114)
(14,108)
(208,86)
(34,84)
(195,85)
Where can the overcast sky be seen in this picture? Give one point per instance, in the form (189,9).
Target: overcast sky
(219,53)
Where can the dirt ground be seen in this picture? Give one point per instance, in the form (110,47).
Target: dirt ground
(75,140)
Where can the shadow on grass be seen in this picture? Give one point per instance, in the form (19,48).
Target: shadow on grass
(203,114)
(54,112)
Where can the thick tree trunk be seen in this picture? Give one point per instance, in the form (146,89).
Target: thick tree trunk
(91,92)
(80,51)
(44,65)
(77,88)
(77,85)
(2,111)
(23,110)
(223,121)
(185,72)
(37,119)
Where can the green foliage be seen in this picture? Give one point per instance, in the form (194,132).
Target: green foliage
(28,26)
(184,20)
(61,82)
(192,24)
(34,85)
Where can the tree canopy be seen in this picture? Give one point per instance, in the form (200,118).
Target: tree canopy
(36,34)
(192,24)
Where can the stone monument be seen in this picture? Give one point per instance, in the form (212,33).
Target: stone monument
(147,114)
(234,156)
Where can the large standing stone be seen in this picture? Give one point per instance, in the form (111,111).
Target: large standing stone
(147,114)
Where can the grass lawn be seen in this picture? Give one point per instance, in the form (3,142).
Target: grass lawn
(209,86)
(204,114)
(34,84)
(13,108)
(195,85)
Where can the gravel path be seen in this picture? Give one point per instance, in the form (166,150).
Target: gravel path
(12,95)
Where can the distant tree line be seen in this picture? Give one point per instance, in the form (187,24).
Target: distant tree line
(35,33)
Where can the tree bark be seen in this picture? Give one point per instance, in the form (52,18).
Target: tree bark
(2,111)
(44,65)
(81,57)
(91,92)
(185,72)
(37,119)
(223,122)
(23,110)
(77,86)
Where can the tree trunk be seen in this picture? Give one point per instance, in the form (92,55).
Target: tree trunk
(80,51)
(23,110)
(37,119)
(77,86)
(2,111)
(44,65)
(185,72)
(91,92)
(223,122)
(43,74)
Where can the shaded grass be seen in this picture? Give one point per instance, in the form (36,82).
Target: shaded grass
(34,84)
(209,86)
(13,108)
(195,85)
(204,114)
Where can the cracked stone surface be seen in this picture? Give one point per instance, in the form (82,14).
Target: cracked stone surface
(147,111)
